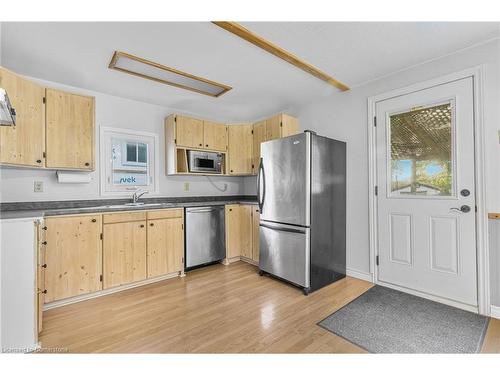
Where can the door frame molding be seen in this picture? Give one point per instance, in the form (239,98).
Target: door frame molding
(482,248)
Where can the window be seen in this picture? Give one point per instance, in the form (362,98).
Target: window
(128,160)
(421,145)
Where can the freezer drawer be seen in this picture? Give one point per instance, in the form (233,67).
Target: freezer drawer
(285,252)
(205,235)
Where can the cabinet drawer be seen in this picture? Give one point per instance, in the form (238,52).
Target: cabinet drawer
(124,217)
(169,213)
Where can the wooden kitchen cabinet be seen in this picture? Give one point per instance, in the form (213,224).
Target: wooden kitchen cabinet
(23,144)
(73,255)
(215,136)
(124,252)
(238,231)
(70,130)
(240,156)
(277,126)
(165,243)
(255,233)
(188,132)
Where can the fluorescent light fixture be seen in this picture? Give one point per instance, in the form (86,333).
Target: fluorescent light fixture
(7,113)
(143,68)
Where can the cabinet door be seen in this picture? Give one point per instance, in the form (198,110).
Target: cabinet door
(73,256)
(273,127)
(189,132)
(246,225)
(24,143)
(215,136)
(233,245)
(255,233)
(240,149)
(165,249)
(124,251)
(289,125)
(259,136)
(70,130)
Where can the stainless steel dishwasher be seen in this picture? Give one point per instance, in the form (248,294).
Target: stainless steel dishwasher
(205,235)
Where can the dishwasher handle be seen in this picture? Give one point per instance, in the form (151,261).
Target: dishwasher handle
(204,209)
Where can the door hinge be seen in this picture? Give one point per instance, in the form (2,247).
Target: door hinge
(252,131)
(44,100)
(175,140)
(376,260)
(253,166)
(281,124)
(175,118)
(376,190)
(101,236)
(375,121)
(182,260)
(100,278)
(182,226)
(475,208)
(44,155)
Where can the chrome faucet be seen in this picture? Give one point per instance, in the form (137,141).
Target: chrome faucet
(137,194)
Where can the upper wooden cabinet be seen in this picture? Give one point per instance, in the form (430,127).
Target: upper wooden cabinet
(54,129)
(73,255)
(188,132)
(215,136)
(239,149)
(278,126)
(70,130)
(23,144)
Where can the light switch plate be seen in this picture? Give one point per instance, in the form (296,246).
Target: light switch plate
(186,186)
(38,186)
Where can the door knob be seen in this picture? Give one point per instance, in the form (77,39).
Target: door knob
(464,208)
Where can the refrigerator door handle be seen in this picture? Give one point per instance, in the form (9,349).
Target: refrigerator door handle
(283,229)
(260,176)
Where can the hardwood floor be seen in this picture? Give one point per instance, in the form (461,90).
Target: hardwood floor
(217,309)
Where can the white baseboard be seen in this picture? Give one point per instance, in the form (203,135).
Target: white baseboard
(359,275)
(495,312)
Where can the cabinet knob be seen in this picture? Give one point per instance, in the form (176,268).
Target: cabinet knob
(151,224)
(94,220)
(230,209)
(44,228)
(87,164)
(38,161)
(231,171)
(142,225)
(44,265)
(44,243)
(201,144)
(206,145)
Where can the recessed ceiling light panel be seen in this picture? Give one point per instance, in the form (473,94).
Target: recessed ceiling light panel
(143,68)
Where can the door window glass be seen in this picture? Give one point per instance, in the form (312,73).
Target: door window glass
(421,160)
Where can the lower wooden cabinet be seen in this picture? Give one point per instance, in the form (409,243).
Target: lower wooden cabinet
(255,233)
(73,255)
(124,253)
(165,249)
(239,231)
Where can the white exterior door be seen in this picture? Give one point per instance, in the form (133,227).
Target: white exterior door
(426,197)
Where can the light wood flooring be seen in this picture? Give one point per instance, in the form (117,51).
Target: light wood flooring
(217,309)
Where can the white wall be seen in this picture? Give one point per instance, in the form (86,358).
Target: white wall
(111,111)
(344,116)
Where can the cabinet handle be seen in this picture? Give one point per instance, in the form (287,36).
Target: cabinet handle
(38,161)
(142,225)
(151,224)
(94,220)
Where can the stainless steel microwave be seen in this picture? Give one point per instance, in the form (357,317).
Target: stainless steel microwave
(204,162)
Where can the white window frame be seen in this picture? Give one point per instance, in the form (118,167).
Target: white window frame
(105,135)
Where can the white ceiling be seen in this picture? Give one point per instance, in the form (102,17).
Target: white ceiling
(78,54)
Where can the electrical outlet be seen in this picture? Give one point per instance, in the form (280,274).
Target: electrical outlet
(38,186)
(186,186)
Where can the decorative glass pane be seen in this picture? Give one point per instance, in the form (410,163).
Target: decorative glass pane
(421,152)
(142,153)
(131,151)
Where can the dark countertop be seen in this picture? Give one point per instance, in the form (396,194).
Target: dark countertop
(21,210)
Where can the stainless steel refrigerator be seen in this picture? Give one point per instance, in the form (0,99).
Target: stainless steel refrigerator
(301,188)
